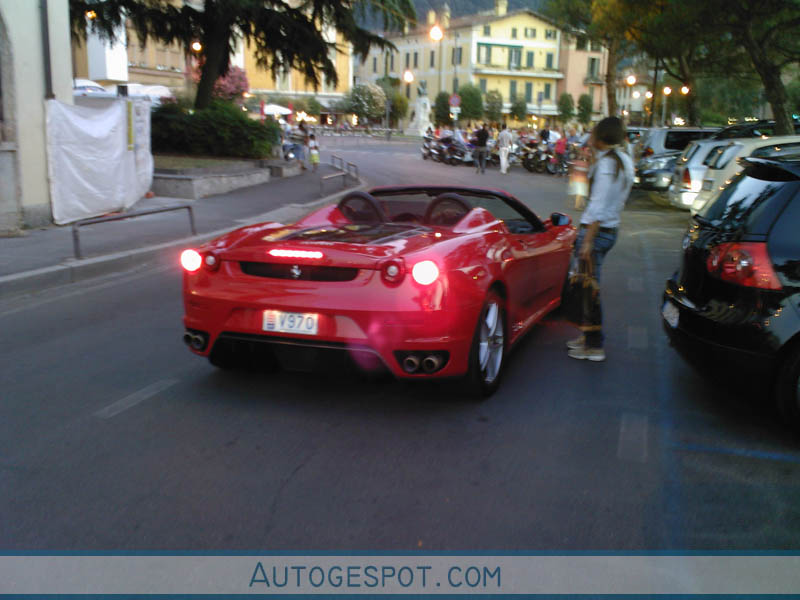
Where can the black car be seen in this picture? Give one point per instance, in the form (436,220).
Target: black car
(735,302)
(751,129)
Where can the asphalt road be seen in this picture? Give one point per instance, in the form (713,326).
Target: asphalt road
(114,437)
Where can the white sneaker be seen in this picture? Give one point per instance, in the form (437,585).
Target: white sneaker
(593,354)
(578,342)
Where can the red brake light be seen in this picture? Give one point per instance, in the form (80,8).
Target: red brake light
(648,151)
(425,272)
(687,179)
(743,263)
(281,253)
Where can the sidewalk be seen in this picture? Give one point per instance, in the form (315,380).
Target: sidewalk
(43,258)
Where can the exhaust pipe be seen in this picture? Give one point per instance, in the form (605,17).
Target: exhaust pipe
(187,338)
(198,342)
(410,363)
(431,363)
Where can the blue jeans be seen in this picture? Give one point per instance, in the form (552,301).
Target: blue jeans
(603,242)
(480,159)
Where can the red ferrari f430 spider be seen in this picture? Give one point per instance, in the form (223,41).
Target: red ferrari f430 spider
(422,281)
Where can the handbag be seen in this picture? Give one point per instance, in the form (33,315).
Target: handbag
(579,299)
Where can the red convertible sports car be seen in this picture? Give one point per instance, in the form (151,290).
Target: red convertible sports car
(425,281)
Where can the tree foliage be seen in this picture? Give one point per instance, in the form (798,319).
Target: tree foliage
(441,109)
(367,100)
(494,106)
(230,86)
(471,102)
(284,34)
(314,107)
(519,109)
(566,107)
(399,108)
(585,109)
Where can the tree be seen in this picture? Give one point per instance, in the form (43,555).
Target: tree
(566,107)
(314,107)
(367,100)
(767,30)
(494,106)
(285,34)
(585,109)
(441,109)
(399,108)
(519,109)
(601,20)
(230,86)
(471,102)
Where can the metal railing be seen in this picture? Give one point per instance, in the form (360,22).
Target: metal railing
(346,169)
(76,240)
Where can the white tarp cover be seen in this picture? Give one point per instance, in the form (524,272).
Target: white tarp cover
(98,161)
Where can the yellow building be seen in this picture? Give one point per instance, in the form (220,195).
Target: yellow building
(515,53)
(292,83)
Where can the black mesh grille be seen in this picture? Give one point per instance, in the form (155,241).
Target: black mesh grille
(298,272)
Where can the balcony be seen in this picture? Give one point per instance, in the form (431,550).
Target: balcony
(482,69)
(593,79)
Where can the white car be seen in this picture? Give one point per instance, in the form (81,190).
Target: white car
(723,165)
(690,169)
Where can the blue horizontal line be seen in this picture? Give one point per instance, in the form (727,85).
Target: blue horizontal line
(760,454)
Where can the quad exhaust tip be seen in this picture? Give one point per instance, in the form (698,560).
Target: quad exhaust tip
(431,363)
(410,364)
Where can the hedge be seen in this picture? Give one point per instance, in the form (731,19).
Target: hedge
(223,129)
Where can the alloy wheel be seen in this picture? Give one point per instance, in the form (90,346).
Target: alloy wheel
(491,343)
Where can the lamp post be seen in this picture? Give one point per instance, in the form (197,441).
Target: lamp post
(667,91)
(631,81)
(437,35)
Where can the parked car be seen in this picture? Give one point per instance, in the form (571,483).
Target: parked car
(733,306)
(690,169)
(665,139)
(422,281)
(761,128)
(723,163)
(655,172)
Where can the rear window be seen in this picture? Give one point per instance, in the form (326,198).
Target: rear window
(725,155)
(777,150)
(743,203)
(678,140)
(690,151)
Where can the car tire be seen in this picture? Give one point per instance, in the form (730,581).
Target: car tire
(486,358)
(787,388)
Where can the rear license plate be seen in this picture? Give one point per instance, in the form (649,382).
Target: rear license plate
(286,322)
(671,314)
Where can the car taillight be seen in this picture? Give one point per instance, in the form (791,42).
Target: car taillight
(191,260)
(743,263)
(648,151)
(211,262)
(425,272)
(393,271)
(687,180)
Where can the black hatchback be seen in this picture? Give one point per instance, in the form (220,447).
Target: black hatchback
(734,305)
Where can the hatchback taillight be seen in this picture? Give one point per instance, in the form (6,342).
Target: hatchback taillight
(743,263)
(393,271)
(648,151)
(687,180)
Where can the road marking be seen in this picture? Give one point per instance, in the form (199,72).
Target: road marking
(136,398)
(635,284)
(637,338)
(632,444)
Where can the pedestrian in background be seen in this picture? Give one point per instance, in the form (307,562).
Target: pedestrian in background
(313,152)
(481,139)
(504,140)
(610,182)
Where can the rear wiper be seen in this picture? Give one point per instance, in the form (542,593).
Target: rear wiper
(704,222)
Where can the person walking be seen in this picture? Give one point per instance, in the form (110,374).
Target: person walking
(504,140)
(313,152)
(481,139)
(610,182)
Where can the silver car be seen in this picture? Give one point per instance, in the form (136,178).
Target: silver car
(690,169)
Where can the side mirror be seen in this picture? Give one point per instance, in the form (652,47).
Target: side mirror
(559,219)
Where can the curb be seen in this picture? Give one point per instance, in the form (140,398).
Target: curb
(74,271)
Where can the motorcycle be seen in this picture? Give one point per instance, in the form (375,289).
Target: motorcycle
(427,142)
(439,148)
(557,165)
(459,153)
(514,155)
(536,158)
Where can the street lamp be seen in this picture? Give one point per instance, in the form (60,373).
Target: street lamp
(631,81)
(667,91)
(437,35)
(197,46)
(408,76)
(648,94)
(685,90)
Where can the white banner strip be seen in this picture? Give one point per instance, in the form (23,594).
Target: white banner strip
(612,574)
